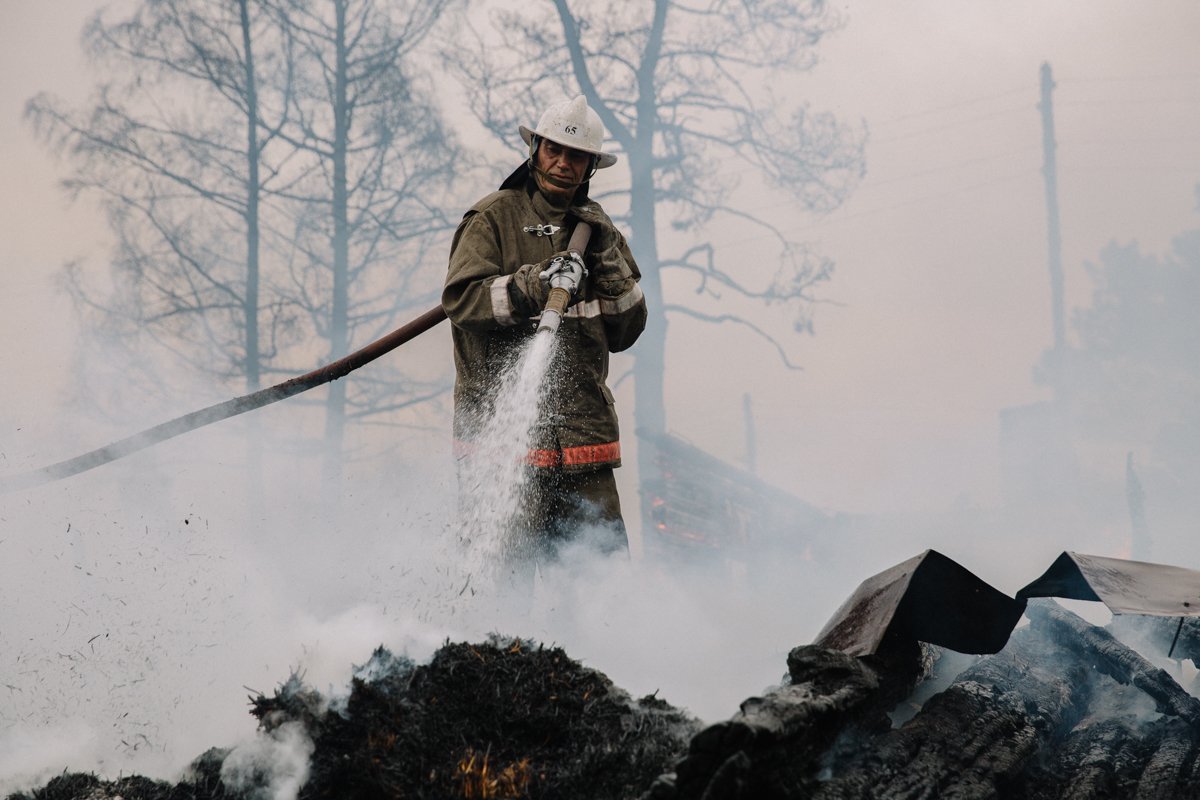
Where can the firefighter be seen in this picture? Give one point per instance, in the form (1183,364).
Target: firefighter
(496,286)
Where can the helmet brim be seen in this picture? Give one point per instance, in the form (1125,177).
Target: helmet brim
(602,159)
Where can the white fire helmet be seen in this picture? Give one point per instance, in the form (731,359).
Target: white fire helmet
(572,124)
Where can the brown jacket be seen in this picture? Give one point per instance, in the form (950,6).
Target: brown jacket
(493,295)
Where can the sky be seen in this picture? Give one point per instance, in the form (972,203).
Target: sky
(937,311)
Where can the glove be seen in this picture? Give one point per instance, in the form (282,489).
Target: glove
(564,271)
(528,292)
(604,249)
(604,233)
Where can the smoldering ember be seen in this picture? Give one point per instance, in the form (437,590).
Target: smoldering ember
(887,703)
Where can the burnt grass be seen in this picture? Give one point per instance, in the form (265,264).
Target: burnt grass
(503,718)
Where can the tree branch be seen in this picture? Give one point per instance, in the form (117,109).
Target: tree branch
(721,318)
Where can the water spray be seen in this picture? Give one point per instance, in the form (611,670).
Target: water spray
(493,478)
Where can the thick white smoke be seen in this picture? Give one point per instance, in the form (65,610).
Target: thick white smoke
(152,596)
(271,766)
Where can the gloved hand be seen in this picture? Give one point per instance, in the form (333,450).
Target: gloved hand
(604,248)
(604,233)
(564,271)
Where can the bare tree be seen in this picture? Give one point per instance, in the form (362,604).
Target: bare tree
(691,92)
(175,145)
(367,210)
(274,172)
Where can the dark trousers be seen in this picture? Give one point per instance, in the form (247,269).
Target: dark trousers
(562,507)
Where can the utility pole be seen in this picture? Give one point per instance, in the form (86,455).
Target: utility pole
(1053,233)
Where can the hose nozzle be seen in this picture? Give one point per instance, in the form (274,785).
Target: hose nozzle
(559,297)
(556,306)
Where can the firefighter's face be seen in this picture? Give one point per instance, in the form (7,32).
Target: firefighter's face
(563,163)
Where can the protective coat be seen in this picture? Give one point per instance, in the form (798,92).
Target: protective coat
(493,297)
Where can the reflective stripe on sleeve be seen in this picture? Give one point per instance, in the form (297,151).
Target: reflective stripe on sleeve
(622,303)
(597,308)
(502,308)
(587,310)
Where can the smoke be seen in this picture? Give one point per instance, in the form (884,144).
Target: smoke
(1121,703)
(147,599)
(271,766)
(153,595)
(29,756)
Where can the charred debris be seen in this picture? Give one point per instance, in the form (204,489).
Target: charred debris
(879,707)
(502,718)
(886,705)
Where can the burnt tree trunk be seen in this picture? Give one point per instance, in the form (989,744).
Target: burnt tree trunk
(773,747)
(975,738)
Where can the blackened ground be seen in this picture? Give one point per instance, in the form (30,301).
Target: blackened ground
(202,782)
(1066,710)
(505,718)
(501,719)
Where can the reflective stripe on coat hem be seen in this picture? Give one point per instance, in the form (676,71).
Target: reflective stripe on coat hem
(578,456)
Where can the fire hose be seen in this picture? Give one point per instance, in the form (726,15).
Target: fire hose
(556,304)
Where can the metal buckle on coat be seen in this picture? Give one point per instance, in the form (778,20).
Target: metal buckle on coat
(543,230)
